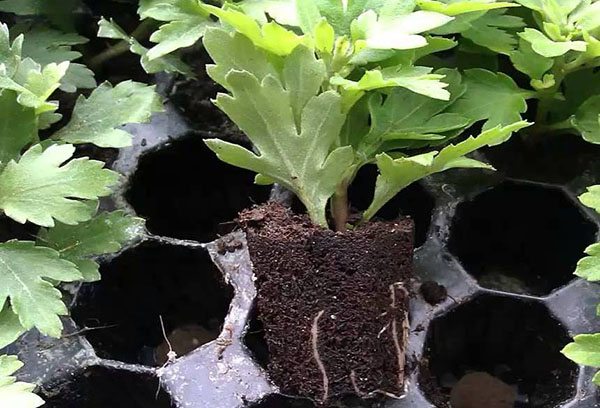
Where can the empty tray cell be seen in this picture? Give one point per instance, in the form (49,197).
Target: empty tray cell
(497,348)
(121,314)
(185,191)
(100,387)
(521,238)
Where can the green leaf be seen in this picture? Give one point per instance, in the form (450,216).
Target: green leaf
(591,198)
(399,32)
(548,48)
(417,79)
(493,97)
(24,273)
(584,350)
(324,37)
(34,84)
(271,36)
(308,15)
(588,17)
(234,51)
(96,119)
(587,120)
(297,157)
(187,22)
(59,12)
(303,76)
(530,62)
(341,15)
(490,31)
(589,267)
(46,46)
(10,326)
(285,12)
(37,188)
(596,379)
(406,115)
(396,174)
(12,393)
(169,63)
(461,7)
(103,234)
(17,128)
(10,54)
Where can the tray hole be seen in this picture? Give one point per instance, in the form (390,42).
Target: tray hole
(280,401)
(521,238)
(180,284)
(255,341)
(559,159)
(185,191)
(100,387)
(413,201)
(516,341)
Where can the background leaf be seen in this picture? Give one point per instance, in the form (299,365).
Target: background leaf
(96,119)
(37,188)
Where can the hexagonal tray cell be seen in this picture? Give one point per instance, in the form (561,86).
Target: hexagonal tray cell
(101,387)
(516,341)
(143,284)
(414,201)
(559,159)
(185,191)
(520,238)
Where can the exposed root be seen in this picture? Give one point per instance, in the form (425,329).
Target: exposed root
(314,336)
(355,384)
(401,356)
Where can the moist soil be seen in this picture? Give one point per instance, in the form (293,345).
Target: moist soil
(333,305)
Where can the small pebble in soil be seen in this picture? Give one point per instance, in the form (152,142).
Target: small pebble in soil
(433,292)
(481,390)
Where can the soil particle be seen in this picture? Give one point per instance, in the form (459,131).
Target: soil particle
(479,389)
(433,292)
(228,244)
(333,305)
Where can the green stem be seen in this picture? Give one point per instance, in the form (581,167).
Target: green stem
(142,31)
(339,208)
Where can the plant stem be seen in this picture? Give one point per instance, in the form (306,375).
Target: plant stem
(122,46)
(546,96)
(339,208)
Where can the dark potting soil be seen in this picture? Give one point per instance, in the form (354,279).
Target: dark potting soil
(333,305)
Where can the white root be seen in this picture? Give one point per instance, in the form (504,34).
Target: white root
(355,384)
(314,332)
(395,335)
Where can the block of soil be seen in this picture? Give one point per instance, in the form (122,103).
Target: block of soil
(333,305)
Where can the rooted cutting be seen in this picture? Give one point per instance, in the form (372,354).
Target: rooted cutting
(334,305)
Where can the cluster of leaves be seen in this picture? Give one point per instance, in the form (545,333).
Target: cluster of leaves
(322,89)
(555,43)
(44,184)
(585,348)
